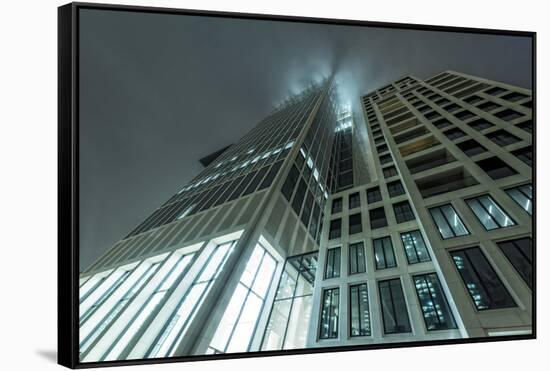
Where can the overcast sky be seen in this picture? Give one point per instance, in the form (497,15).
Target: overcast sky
(160,91)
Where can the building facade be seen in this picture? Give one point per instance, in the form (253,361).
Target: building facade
(315,231)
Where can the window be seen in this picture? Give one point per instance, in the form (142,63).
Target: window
(481,281)
(488,106)
(389,171)
(464,115)
(357,258)
(299,196)
(514,96)
(237,326)
(288,323)
(332,266)
(508,115)
(359,308)
(502,137)
(394,307)
(99,324)
(403,212)
(436,311)
(454,133)
(383,253)
(98,297)
(489,213)
(176,267)
(329,314)
(355,225)
(377,218)
(523,195)
(374,195)
(337,205)
(496,168)
(525,154)
(520,254)
(175,329)
(480,124)
(395,188)
(448,222)
(471,147)
(495,91)
(290,182)
(526,126)
(335,229)
(385,159)
(415,248)
(442,123)
(354,200)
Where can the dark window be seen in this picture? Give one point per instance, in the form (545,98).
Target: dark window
(383,253)
(488,106)
(451,107)
(471,147)
(329,314)
(332,267)
(473,99)
(496,168)
(495,91)
(306,210)
(527,126)
(435,308)
(374,195)
(337,205)
(442,123)
(480,124)
(403,212)
(271,175)
(481,281)
(357,258)
(382,148)
(432,115)
(508,115)
(489,213)
(454,133)
(377,218)
(520,254)
(464,115)
(359,307)
(394,307)
(415,248)
(355,224)
(525,154)
(385,159)
(395,188)
(335,229)
(514,96)
(290,182)
(389,171)
(448,221)
(299,196)
(354,200)
(502,137)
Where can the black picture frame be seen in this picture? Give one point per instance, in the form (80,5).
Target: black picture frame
(68,181)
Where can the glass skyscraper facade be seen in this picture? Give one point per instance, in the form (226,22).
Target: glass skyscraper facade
(319,228)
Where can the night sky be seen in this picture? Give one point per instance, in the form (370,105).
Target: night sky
(158,92)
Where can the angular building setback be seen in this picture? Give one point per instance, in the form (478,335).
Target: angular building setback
(316,231)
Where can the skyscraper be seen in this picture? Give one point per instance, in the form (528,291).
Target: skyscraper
(315,230)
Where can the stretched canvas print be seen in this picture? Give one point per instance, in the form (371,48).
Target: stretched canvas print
(237,185)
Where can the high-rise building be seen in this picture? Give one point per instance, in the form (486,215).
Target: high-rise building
(317,230)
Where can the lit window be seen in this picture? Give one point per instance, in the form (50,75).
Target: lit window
(489,213)
(329,314)
(436,311)
(359,307)
(523,195)
(332,266)
(176,268)
(176,327)
(415,248)
(237,326)
(481,281)
(288,323)
(448,222)
(99,296)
